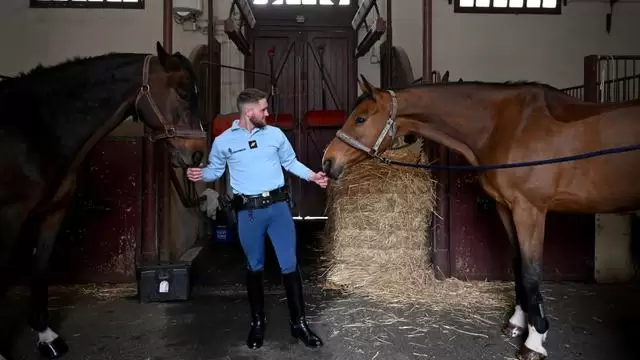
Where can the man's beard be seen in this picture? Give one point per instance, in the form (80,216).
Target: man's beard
(256,123)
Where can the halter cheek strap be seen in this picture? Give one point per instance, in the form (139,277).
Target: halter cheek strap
(388,130)
(169,130)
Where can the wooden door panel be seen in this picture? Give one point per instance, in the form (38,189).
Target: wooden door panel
(327,49)
(279,42)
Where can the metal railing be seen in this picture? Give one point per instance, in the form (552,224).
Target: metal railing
(609,78)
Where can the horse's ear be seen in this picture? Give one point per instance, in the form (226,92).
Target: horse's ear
(445,77)
(163,56)
(365,86)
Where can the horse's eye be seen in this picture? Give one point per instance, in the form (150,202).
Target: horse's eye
(360,120)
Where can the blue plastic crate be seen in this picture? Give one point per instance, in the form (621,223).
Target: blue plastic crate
(223,234)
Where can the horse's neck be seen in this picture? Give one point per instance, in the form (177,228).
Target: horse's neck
(62,112)
(97,105)
(438,112)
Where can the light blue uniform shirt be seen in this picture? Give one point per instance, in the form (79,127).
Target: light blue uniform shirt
(255,159)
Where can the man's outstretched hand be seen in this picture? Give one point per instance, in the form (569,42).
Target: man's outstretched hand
(320,178)
(194,174)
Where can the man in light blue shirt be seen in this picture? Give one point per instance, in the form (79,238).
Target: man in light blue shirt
(256,153)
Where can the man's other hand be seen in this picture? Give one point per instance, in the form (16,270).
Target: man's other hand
(194,174)
(320,178)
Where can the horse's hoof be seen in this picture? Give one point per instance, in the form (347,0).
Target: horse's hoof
(527,354)
(54,349)
(512,331)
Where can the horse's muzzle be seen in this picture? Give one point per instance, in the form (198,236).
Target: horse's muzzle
(332,170)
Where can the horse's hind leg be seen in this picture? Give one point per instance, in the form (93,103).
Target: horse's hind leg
(518,322)
(530,223)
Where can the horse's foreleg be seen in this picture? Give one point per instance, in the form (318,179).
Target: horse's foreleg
(518,322)
(530,223)
(49,343)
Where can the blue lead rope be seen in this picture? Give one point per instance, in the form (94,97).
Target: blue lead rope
(514,165)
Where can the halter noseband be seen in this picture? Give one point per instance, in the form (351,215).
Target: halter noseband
(169,131)
(389,129)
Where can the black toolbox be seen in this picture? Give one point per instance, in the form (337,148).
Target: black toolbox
(164,282)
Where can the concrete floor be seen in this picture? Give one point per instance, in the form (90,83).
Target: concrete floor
(587,321)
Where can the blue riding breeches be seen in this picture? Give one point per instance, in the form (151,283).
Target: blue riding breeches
(276,221)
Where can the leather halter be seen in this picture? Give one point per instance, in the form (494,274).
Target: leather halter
(169,130)
(388,130)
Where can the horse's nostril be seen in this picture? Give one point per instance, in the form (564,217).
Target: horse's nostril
(196,157)
(326,165)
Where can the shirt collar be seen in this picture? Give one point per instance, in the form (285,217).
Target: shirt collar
(235,126)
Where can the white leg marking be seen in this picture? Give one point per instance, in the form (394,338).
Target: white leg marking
(535,340)
(519,318)
(47,336)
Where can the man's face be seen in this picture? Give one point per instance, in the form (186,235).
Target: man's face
(257,113)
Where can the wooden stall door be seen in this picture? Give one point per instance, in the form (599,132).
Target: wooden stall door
(99,237)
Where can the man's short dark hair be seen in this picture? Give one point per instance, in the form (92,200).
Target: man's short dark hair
(250,96)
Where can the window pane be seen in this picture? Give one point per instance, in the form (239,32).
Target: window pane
(466,3)
(534,3)
(516,3)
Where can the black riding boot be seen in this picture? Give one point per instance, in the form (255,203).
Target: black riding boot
(255,292)
(299,327)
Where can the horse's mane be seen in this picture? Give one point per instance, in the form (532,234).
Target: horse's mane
(74,87)
(506,84)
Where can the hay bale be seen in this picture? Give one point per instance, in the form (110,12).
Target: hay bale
(378,227)
(377,238)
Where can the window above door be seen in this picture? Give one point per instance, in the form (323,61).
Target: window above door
(302,2)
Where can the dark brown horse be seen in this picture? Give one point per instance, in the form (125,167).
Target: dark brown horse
(493,124)
(51,118)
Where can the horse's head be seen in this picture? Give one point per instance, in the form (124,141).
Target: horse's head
(168,104)
(369,130)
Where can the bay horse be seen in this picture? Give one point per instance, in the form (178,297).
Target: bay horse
(490,124)
(50,118)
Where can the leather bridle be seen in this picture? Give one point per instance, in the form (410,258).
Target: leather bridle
(388,130)
(169,130)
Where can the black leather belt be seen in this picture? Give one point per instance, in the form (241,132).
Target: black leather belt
(244,202)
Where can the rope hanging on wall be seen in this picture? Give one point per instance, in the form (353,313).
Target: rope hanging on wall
(609,16)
